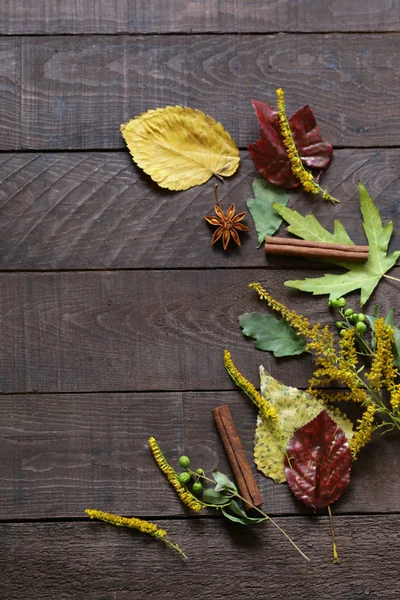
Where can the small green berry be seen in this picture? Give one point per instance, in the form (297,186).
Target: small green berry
(197,487)
(339,324)
(341,302)
(361,327)
(353,318)
(342,332)
(333,303)
(184,461)
(200,471)
(361,317)
(184,477)
(348,312)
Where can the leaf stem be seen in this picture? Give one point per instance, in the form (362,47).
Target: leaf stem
(174,546)
(287,536)
(334,547)
(390,277)
(253,507)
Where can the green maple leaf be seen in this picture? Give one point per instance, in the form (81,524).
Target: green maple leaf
(364,276)
(309,228)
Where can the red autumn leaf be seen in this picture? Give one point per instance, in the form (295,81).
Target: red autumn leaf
(320,462)
(269,153)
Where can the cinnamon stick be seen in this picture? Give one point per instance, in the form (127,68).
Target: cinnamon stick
(309,249)
(236,456)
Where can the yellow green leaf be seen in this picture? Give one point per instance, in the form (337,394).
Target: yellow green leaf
(180,147)
(295,408)
(363,276)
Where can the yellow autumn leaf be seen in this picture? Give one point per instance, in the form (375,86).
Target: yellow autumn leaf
(180,147)
(295,408)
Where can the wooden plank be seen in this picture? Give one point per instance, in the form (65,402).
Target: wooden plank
(10,91)
(143,330)
(76,91)
(95,561)
(191,16)
(69,452)
(97,210)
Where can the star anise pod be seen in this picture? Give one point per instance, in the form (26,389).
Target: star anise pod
(228,224)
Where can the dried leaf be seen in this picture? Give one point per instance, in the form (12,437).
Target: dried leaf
(363,276)
(272,335)
(266,219)
(295,408)
(269,154)
(180,147)
(320,462)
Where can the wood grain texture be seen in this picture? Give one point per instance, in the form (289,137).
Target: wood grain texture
(69,452)
(143,330)
(97,210)
(194,16)
(95,561)
(76,91)
(10,91)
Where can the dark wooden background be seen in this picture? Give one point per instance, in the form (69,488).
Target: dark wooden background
(115,309)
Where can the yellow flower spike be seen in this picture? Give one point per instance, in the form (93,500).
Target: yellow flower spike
(364,431)
(186,497)
(134,523)
(395,397)
(266,409)
(383,372)
(321,342)
(329,396)
(348,352)
(298,169)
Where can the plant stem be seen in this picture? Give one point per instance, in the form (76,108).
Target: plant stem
(334,547)
(390,277)
(251,506)
(174,546)
(274,523)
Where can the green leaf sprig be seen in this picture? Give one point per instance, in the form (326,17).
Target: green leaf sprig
(223,496)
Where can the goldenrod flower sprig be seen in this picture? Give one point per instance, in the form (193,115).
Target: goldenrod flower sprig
(364,431)
(186,497)
(299,171)
(264,406)
(341,364)
(135,523)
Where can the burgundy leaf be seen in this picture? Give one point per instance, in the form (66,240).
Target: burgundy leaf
(313,150)
(320,462)
(269,153)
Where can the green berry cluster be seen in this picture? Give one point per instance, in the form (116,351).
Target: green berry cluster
(186,476)
(351,318)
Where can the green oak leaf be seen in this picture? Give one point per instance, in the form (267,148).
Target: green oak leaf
(365,276)
(295,408)
(272,335)
(266,219)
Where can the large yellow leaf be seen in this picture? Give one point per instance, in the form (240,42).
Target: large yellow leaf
(180,147)
(295,408)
